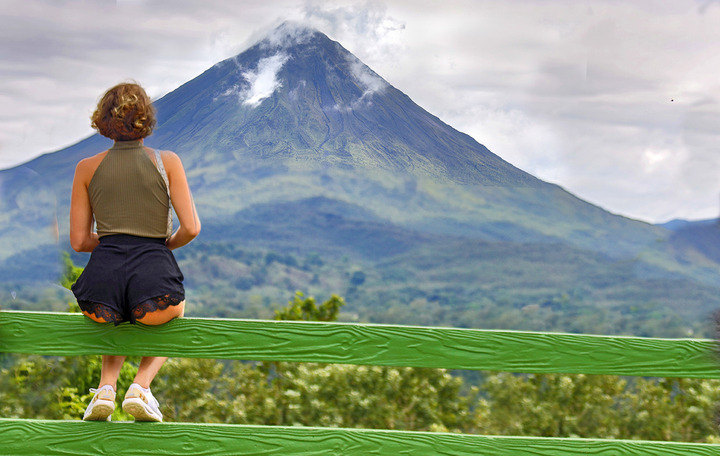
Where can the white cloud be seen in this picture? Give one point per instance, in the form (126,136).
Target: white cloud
(294,92)
(361,26)
(655,157)
(263,81)
(366,80)
(259,83)
(370,82)
(288,33)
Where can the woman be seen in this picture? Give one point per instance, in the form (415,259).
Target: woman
(132,274)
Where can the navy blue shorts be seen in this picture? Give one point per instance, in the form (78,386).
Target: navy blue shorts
(128,276)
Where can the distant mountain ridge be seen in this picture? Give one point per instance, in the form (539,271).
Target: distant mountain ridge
(676,224)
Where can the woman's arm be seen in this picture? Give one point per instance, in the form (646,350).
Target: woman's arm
(182,201)
(82,239)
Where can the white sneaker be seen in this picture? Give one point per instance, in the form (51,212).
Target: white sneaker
(140,403)
(102,404)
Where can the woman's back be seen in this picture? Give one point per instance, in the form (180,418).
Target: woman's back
(132,274)
(123,188)
(128,193)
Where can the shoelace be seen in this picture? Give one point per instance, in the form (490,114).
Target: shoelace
(95,390)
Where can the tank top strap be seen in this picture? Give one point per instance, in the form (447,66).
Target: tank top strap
(161,168)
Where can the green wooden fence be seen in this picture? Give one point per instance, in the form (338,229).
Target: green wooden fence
(66,334)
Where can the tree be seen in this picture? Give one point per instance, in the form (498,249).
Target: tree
(306,309)
(599,406)
(68,275)
(357,278)
(550,405)
(346,395)
(54,387)
(70,272)
(678,409)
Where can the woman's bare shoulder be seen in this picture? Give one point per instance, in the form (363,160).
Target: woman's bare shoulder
(168,153)
(170,159)
(92,159)
(172,164)
(87,166)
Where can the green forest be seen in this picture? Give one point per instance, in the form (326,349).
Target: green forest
(484,286)
(379,397)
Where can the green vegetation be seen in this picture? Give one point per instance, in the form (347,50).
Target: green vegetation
(401,398)
(538,287)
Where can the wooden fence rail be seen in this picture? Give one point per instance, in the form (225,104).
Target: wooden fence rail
(62,437)
(67,334)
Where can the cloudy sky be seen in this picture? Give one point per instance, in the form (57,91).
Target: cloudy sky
(616,101)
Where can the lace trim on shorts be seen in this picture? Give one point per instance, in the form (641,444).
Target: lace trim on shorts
(101,311)
(157,303)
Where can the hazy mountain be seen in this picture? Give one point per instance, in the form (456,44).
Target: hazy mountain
(674,224)
(700,237)
(678,224)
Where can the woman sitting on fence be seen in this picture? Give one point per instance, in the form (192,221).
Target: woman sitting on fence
(132,274)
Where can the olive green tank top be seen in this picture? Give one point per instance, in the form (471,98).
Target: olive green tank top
(129,194)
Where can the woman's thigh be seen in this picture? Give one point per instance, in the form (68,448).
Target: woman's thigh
(101,313)
(159,317)
(95,317)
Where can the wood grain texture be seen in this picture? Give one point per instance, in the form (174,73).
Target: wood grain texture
(63,437)
(67,334)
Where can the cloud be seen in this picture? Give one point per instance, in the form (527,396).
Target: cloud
(370,81)
(293,94)
(365,28)
(705,4)
(287,34)
(261,82)
(367,81)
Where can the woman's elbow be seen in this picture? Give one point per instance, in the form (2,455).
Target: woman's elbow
(194,231)
(76,244)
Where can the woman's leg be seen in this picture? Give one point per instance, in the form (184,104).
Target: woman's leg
(111,364)
(148,369)
(159,317)
(150,365)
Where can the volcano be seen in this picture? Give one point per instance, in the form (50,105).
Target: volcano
(296,145)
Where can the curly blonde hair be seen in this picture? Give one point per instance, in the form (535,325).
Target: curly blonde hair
(124,113)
